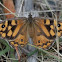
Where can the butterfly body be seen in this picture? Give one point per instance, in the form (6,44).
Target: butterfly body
(42,31)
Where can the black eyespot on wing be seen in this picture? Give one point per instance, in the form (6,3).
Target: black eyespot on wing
(3,26)
(59,25)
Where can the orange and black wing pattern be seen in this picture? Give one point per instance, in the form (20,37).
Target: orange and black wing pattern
(49,27)
(46,31)
(21,39)
(42,31)
(11,31)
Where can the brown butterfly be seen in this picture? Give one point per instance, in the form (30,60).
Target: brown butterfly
(42,31)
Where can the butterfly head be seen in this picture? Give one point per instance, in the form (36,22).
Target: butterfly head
(30,19)
(29,16)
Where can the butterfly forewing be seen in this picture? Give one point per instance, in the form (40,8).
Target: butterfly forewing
(10,29)
(46,27)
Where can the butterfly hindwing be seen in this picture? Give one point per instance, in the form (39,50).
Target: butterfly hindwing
(42,42)
(21,40)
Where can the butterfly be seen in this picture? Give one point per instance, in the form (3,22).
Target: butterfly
(42,31)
